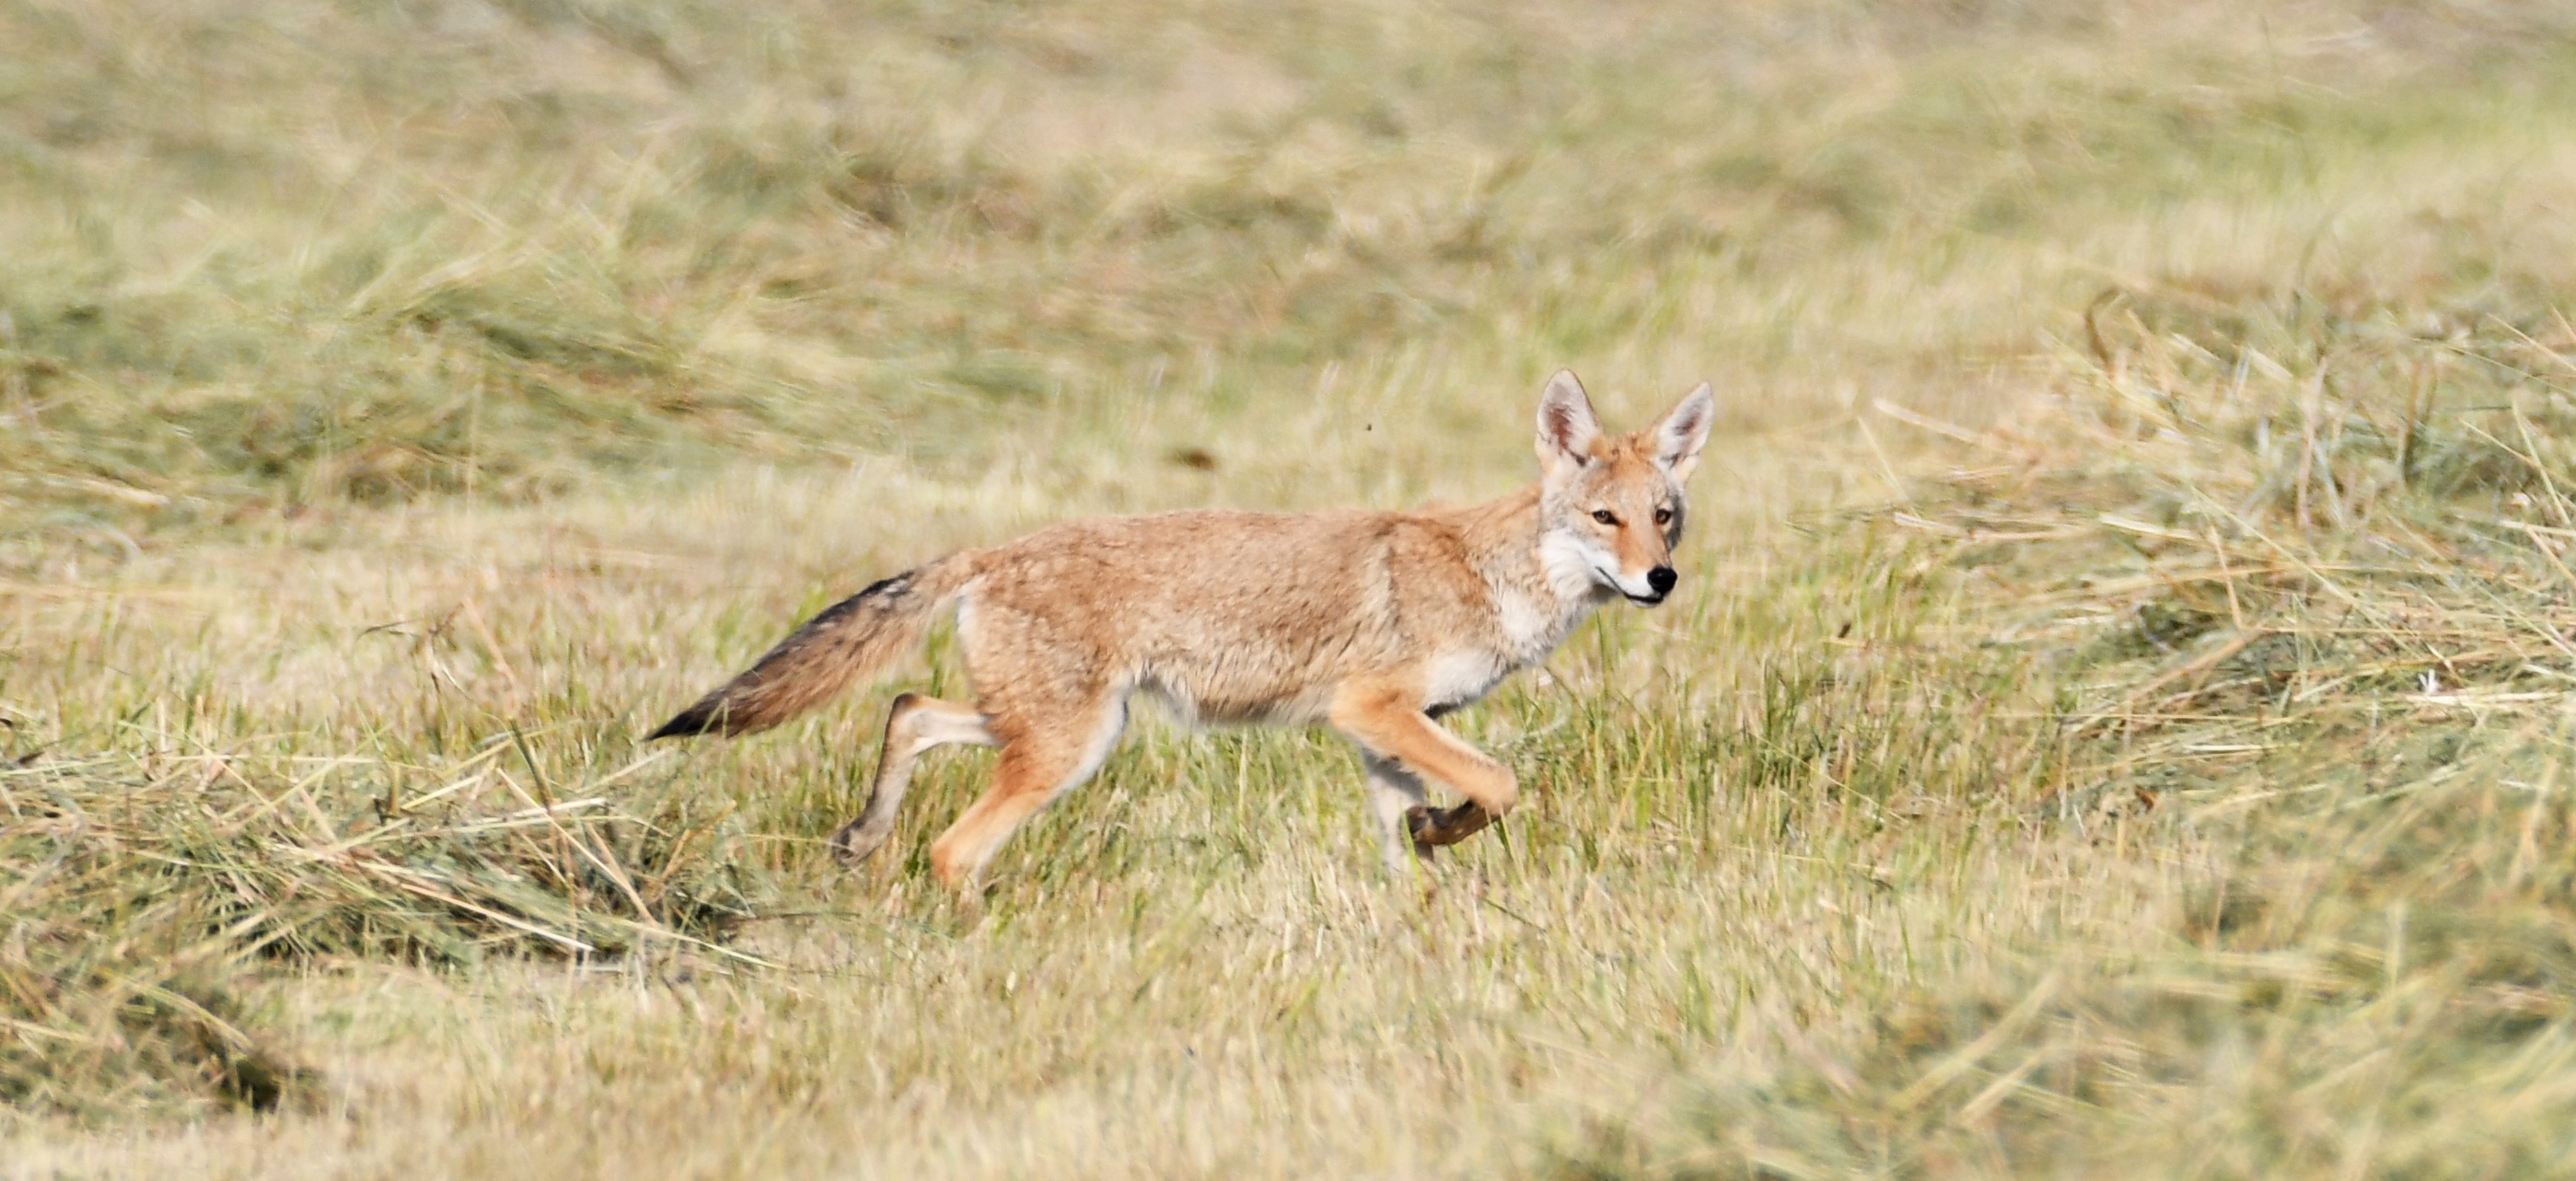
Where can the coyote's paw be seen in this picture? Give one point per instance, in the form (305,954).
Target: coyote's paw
(1447,826)
(854,843)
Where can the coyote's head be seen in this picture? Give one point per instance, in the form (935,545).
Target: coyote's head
(1613,508)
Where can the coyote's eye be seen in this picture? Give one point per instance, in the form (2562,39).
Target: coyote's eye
(1603,515)
(1663,516)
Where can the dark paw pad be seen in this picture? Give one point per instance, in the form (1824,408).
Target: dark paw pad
(1447,826)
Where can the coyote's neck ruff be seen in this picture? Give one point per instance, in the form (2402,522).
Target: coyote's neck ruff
(1372,623)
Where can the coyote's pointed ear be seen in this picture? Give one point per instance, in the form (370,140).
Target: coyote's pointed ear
(1682,431)
(1567,429)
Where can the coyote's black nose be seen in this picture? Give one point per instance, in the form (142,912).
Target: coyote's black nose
(1662,579)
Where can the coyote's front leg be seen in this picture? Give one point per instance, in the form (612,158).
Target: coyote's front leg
(1396,797)
(1390,725)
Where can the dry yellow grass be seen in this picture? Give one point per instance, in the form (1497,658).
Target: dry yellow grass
(2124,751)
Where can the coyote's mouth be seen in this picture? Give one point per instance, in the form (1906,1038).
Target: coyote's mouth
(1612,581)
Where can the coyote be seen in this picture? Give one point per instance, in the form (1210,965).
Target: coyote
(1374,623)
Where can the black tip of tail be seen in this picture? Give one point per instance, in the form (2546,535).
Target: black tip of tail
(693,721)
(714,713)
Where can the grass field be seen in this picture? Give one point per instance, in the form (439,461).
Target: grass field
(2116,719)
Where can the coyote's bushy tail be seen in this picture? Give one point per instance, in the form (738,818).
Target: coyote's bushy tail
(850,639)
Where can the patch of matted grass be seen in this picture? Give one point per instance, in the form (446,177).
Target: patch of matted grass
(141,888)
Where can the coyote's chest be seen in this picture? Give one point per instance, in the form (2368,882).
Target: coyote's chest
(1527,630)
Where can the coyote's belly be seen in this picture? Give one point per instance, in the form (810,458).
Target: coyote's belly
(1236,617)
(1293,684)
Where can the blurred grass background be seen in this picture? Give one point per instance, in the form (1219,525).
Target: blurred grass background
(306,254)
(2112,724)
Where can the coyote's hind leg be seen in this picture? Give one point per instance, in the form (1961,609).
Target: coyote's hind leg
(914,725)
(1048,750)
